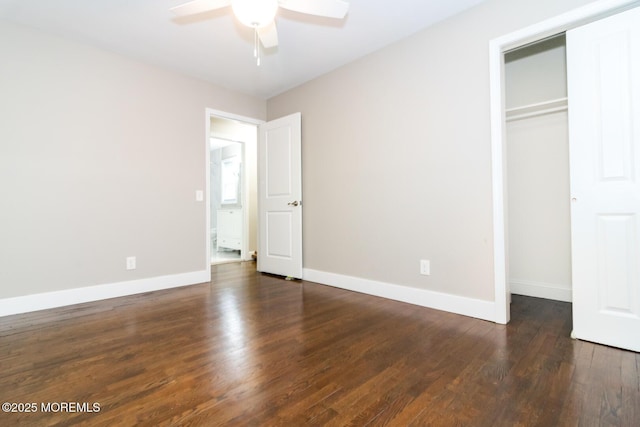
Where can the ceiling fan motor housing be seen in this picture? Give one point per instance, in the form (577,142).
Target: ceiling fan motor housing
(255,13)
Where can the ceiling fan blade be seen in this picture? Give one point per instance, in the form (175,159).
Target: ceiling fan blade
(268,35)
(328,8)
(199,6)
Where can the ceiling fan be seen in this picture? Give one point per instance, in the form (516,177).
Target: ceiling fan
(260,14)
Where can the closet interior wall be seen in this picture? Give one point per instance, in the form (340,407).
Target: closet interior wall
(539,226)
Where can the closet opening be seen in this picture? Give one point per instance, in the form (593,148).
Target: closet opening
(537,170)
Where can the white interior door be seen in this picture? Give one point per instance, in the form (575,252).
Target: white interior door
(603,67)
(280,197)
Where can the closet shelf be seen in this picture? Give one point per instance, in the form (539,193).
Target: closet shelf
(537,109)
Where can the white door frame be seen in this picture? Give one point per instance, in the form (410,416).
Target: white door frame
(209,112)
(497,48)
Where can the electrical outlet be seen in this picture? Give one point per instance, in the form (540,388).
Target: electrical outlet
(425,267)
(131,263)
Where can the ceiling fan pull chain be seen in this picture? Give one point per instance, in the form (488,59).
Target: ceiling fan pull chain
(255,42)
(256,45)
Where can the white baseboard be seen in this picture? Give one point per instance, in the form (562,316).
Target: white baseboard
(35,302)
(440,301)
(541,290)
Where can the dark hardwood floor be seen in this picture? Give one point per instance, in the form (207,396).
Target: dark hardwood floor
(256,350)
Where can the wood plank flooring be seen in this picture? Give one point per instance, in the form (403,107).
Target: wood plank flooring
(256,350)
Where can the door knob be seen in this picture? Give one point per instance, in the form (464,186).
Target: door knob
(294,203)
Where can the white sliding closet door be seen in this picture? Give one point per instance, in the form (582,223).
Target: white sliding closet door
(603,61)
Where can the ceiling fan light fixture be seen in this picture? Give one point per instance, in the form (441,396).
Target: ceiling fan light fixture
(255,13)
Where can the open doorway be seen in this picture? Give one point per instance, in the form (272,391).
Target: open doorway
(232,176)
(537,145)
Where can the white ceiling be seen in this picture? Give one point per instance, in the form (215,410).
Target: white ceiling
(212,46)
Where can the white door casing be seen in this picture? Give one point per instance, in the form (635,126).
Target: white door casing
(280,197)
(603,70)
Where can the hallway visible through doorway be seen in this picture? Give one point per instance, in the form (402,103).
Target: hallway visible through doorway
(232,189)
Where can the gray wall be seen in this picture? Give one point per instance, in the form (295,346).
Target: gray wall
(396,155)
(100,158)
